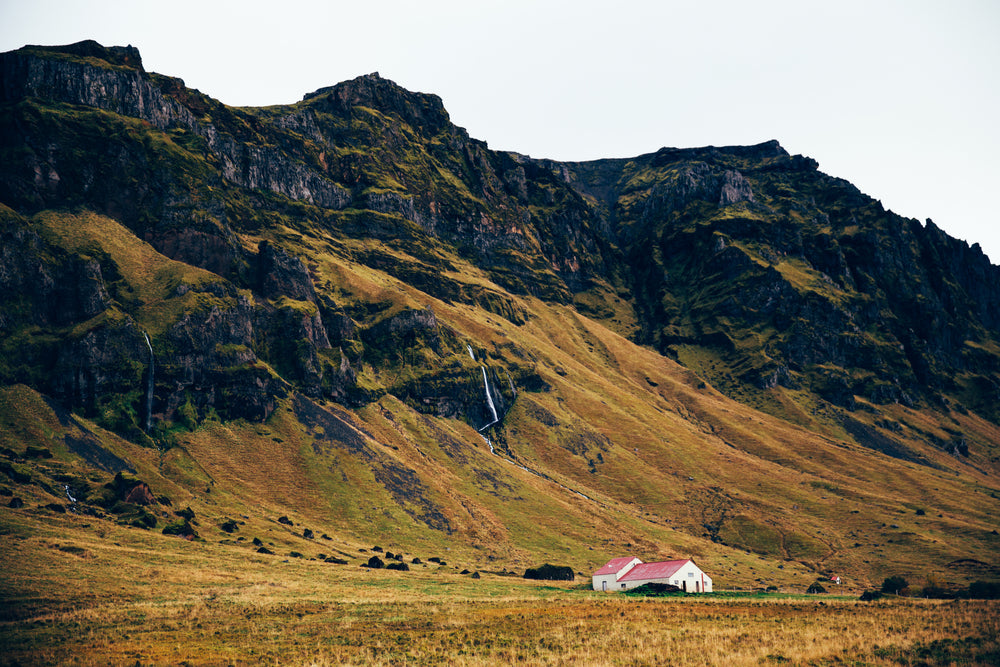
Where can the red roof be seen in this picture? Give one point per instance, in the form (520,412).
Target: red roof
(614,565)
(663,570)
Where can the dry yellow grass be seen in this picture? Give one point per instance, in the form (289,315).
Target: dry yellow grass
(85,592)
(120,602)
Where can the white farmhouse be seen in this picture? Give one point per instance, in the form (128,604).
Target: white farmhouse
(620,574)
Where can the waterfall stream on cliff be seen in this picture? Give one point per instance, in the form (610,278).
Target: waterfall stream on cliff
(488,442)
(471,353)
(489,401)
(511,381)
(149,384)
(496,418)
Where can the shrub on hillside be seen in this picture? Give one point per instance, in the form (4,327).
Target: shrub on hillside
(984,590)
(937,593)
(653,590)
(895,585)
(549,572)
(815,588)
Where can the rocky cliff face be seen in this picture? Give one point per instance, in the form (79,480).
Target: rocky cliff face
(745,263)
(783,275)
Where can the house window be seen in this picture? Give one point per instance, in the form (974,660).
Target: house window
(623,585)
(690,574)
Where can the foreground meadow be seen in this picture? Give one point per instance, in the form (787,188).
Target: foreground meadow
(126,597)
(525,625)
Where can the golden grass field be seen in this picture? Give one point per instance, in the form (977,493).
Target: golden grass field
(78,592)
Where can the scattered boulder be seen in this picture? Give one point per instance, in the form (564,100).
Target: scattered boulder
(133,490)
(295,554)
(56,507)
(33,452)
(550,572)
(229,525)
(15,503)
(285,520)
(308,534)
(181,528)
(257,542)
(338,561)
(403,567)
(375,563)
(186,513)
(16,476)
(130,514)
(73,549)
(417,561)
(475,575)
(325,537)
(265,550)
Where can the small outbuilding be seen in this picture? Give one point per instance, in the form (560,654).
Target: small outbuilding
(620,574)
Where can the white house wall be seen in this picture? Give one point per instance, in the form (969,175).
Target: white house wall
(606,582)
(685,578)
(609,582)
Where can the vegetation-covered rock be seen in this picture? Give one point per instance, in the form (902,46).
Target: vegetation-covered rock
(550,572)
(181,528)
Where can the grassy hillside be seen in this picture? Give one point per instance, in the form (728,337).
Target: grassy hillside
(242,351)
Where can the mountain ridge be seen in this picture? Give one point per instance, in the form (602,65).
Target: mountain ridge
(355,264)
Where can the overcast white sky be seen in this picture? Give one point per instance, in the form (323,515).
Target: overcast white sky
(900,97)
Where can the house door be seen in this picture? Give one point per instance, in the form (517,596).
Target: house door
(604,586)
(684,585)
(696,587)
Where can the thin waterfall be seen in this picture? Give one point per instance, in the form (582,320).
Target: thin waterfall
(149,384)
(489,401)
(496,418)
(471,353)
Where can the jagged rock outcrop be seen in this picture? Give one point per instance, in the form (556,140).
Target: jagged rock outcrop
(44,285)
(820,271)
